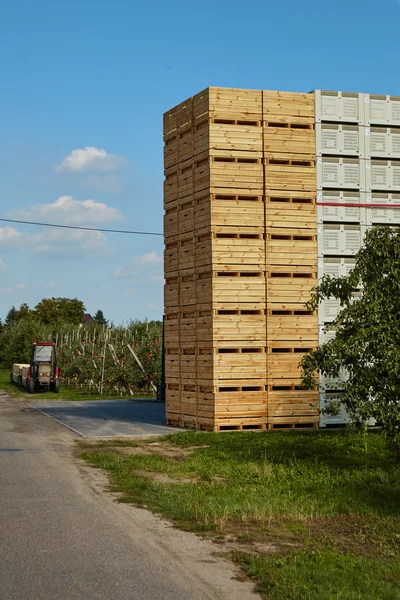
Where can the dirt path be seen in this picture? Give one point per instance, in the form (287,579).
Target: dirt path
(62,537)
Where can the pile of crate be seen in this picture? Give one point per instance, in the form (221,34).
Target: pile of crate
(240,258)
(291,253)
(358,183)
(215,261)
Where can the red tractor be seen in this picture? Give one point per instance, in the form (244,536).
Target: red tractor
(43,371)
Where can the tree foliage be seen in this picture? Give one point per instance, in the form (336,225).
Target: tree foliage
(60,310)
(11,316)
(90,356)
(16,340)
(99,318)
(367,342)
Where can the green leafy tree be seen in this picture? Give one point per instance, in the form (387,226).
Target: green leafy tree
(16,340)
(100,318)
(60,310)
(367,342)
(11,316)
(24,312)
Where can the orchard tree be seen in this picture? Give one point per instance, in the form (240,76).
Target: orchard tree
(99,318)
(52,311)
(367,341)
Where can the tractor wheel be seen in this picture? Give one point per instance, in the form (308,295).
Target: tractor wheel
(19,381)
(31,386)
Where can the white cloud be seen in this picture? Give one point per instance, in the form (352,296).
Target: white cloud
(2,265)
(66,242)
(68,211)
(51,284)
(91,159)
(143,268)
(61,242)
(8,235)
(151,258)
(18,288)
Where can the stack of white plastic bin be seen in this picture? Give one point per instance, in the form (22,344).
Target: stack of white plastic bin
(358,169)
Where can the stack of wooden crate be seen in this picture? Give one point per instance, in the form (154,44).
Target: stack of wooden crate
(240,258)
(291,253)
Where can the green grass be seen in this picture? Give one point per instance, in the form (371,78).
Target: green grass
(324,575)
(65,393)
(311,515)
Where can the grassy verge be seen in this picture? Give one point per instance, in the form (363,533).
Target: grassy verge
(308,515)
(65,393)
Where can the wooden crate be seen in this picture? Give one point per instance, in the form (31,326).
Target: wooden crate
(171,157)
(238,287)
(292,138)
(171,257)
(283,358)
(238,325)
(170,185)
(230,169)
(228,104)
(288,284)
(171,291)
(178,116)
(286,246)
(226,136)
(237,210)
(290,209)
(293,408)
(240,362)
(237,249)
(294,174)
(288,107)
(291,324)
(171,222)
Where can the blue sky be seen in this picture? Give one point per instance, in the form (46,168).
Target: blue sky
(83,89)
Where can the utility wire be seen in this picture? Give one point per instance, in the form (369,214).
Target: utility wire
(81,228)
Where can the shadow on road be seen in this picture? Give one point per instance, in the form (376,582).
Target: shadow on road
(107,417)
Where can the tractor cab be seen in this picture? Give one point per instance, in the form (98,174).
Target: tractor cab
(43,372)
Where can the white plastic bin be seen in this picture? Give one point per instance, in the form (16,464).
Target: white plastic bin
(346,107)
(382,175)
(334,266)
(381,109)
(382,142)
(339,206)
(340,419)
(389,213)
(341,173)
(339,139)
(339,240)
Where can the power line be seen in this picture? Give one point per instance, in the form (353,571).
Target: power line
(81,228)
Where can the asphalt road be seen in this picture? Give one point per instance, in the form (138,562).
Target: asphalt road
(63,537)
(107,418)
